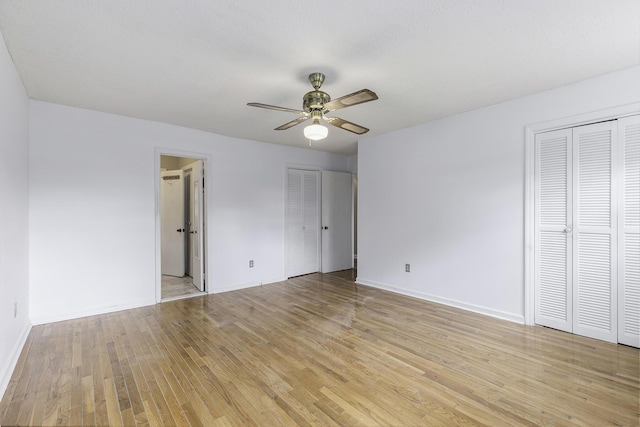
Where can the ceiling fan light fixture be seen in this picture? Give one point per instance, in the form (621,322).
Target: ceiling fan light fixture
(316,131)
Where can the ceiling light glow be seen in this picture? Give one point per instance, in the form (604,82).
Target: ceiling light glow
(316,131)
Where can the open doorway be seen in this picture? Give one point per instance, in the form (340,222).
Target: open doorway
(181,207)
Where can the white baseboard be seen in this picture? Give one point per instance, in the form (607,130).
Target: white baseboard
(40,319)
(512,317)
(274,280)
(7,371)
(49,318)
(240,286)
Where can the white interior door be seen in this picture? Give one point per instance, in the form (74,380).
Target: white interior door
(172,222)
(337,238)
(196,229)
(595,281)
(576,231)
(302,218)
(629,232)
(553,222)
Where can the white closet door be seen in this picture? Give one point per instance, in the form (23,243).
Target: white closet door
(311,223)
(629,231)
(337,231)
(302,222)
(553,213)
(595,231)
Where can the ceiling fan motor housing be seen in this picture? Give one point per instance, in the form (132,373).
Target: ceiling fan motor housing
(315,100)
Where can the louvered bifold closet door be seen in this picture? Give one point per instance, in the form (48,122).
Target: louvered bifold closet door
(629,231)
(303,227)
(553,246)
(595,231)
(295,218)
(311,206)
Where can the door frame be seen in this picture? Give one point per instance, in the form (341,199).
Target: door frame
(529,190)
(207,158)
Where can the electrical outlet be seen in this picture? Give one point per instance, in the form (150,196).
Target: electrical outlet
(407,268)
(15,309)
(250,263)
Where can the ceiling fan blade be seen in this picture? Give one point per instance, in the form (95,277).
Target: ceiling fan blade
(273,107)
(355,98)
(292,123)
(343,124)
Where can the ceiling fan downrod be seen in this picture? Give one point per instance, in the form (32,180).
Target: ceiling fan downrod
(316,80)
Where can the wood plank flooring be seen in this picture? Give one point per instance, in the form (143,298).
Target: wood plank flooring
(316,350)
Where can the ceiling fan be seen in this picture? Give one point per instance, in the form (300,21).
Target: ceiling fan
(316,104)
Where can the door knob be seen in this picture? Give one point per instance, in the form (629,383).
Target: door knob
(180,230)
(325,227)
(567,230)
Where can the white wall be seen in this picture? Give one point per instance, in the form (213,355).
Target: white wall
(92,233)
(14,216)
(447,197)
(352,163)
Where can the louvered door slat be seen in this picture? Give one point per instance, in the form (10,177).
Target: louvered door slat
(594,178)
(552,278)
(629,232)
(594,278)
(594,235)
(553,180)
(553,248)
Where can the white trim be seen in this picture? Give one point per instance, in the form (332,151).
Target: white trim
(498,314)
(199,294)
(530,132)
(240,286)
(7,372)
(301,166)
(586,118)
(41,320)
(207,158)
(529,232)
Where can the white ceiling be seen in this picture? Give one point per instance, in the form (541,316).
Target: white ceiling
(197,63)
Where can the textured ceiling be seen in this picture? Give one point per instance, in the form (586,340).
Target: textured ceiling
(197,63)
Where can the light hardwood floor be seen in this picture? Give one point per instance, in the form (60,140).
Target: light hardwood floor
(316,350)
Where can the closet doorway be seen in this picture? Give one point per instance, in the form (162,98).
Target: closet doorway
(584,226)
(182,236)
(319,221)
